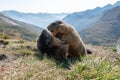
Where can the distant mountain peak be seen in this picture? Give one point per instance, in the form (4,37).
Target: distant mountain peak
(38,19)
(117,3)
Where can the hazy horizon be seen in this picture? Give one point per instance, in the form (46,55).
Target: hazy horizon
(52,6)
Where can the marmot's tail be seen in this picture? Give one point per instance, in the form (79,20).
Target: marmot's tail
(89,51)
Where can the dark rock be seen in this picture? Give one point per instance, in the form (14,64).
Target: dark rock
(5,43)
(1,41)
(3,56)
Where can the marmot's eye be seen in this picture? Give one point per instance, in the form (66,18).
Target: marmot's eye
(51,30)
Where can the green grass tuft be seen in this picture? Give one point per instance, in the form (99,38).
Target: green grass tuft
(4,36)
(26,52)
(97,70)
(114,49)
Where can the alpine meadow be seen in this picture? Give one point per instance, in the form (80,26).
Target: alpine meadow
(59,40)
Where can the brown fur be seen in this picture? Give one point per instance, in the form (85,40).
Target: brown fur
(52,46)
(70,36)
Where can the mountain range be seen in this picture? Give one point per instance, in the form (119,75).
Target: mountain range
(99,26)
(39,19)
(106,31)
(17,29)
(79,20)
(82,20)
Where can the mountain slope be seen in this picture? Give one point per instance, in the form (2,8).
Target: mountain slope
(106,31)
(82,20)
(18,29)
(39,19)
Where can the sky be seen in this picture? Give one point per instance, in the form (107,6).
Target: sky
(52,6)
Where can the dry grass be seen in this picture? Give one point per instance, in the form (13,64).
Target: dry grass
(22,64)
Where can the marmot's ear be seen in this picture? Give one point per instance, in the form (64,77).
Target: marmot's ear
(54,24)
(58,22)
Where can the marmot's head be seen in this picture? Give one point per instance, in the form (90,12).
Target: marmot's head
(45,37)
(57,27)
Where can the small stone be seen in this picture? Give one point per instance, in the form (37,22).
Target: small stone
(3,56)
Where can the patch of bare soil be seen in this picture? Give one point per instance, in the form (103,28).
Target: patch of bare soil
(106,52)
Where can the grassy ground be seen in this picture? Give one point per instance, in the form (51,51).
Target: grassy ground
(23,62)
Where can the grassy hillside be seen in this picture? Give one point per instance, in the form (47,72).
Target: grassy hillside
(24,62)
(17,29)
